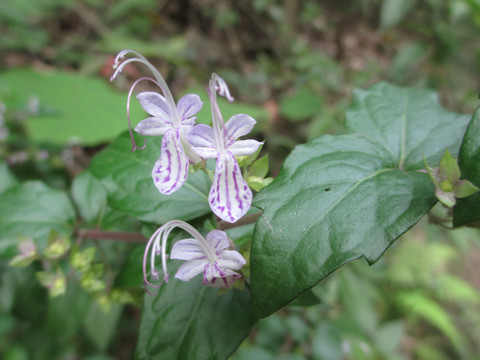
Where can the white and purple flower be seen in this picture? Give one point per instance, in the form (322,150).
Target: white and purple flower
(171,120)
(210,257)
(230,196)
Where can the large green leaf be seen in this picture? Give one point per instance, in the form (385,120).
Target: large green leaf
(468,210)
(32,210)
(339,198)
(72,107)
(127,177)
(408,122)
(186,320)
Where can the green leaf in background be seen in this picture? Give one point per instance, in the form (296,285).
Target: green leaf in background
(428,309)
(259,167)
(7,179)
(90,196)
(339,198)
(127,177)
(186,320)
(101,324)
(468,210)
(301,106)
(407,60)
(72,107)
(172,49)
(394,11)
(32,210)
(229,109)
(327,342)
(131,274)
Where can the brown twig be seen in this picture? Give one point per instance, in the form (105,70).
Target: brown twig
(124,236)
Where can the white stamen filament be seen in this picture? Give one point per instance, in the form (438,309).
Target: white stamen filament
(218,84)
(158,241)
(120,64)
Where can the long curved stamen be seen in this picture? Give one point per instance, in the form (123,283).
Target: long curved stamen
(158,244)
(134,145)
(119,66)
(207,249)
(145,255)
(221,86)
(217,120)
(217,84)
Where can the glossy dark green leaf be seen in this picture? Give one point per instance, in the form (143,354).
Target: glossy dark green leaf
(468,210)
(186,320)
(339,198)
(127,177)
(407,122)
(32,210)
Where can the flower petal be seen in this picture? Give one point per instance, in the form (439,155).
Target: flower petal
(153,126)
(231,259)
(171,170)
(214,276)
(202,139)
(244,147)
(189,105)
(238,125)
(229,197)
(218,240)
(154,104)
(201,136)
(188,249)
(189,269)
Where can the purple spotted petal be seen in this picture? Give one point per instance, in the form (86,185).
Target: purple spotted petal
(202,139)
(229,197)
(154,104)
(153,126)
(218,240)
(217,277)
(238,125)
(188,249)
(189,269)
(171,170)
(188,106)
(244,147)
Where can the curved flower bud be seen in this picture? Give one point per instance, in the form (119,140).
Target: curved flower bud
(209,256)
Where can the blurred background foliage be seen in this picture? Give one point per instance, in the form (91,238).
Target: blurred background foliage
(292,65)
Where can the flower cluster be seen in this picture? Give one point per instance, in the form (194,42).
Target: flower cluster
(209,256)
(183,142)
